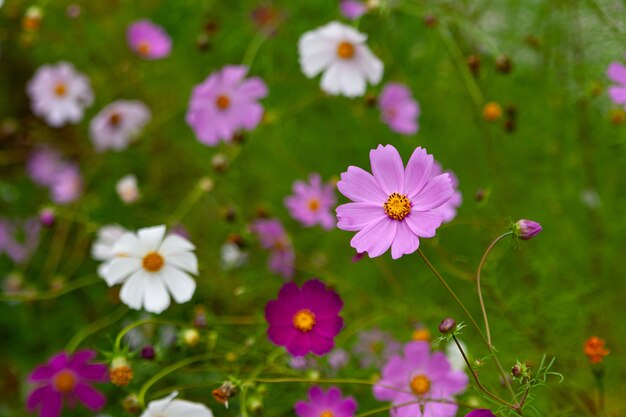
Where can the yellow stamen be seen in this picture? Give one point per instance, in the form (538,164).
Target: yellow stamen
(153,262)
(304,320)
(143,48)
(64,381)
(327,413)
(60,89)
(397,206)
(345,50)
(222,102)
(314,204)
(420,384)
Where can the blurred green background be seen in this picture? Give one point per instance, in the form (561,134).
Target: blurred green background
(561,164)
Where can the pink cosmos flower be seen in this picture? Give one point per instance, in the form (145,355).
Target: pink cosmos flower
(148,40)
(398,108)
(273,237)
(224,103)
(46,167)
(352,9)
(59,94)
(481,412)
(326,404)
(304,319)
(395,206)
(67,184)
(43,164)
(418,376)
(449,208)
(311,203)
(19,238)
(67,378)
(118,124)
(617,73)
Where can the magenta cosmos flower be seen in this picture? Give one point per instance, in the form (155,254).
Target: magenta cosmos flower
(67,378)
(617,73)
(395,206)
(311,203)
(224,103)
(449,208)
(481,412)
(418,376)
(399,109)
(273,237)
(148,40)
(304,319)
(326,404)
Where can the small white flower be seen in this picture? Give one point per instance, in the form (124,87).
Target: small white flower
(127,189)
(455,357)
(152,267)
(102,248)
(169,407)
(118,124)
(341,53)
(59,94)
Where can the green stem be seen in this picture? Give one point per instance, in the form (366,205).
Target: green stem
(95,327)
(254,47)
(480,293)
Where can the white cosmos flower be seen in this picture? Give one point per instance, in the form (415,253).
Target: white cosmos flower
(118,124)
(153,266)
(127,189)
(169,407)
(102,248)
(341,53)
(59,94)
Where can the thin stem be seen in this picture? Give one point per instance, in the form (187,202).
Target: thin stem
(458,301)
(95,327)
(120,335)
(480,293)
(254,47)
(475,375)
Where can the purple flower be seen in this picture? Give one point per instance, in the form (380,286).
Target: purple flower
(480,413)
(67,378)
(617,73)
(311,203)
(118,124)
(326,404)
(47,217)
(224,103)
(302,363)
(395,206)
(59,94)
(375,347)
(338,358)
(43,164)
(448,209)
(304,319)
(418,376)
(527,229)
(273,237)
(352,9)
(398,108)
(67,185)
(19,238)
(148,40)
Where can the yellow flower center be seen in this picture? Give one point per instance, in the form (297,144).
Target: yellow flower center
(64,381)
(222,102)
(397,206)
(421,334)
(121,375)
(327,413)
(143,48)
(420,384)
(345,50)
(60,89)
(153,262)
(304,320)
(314,204)
(115,119)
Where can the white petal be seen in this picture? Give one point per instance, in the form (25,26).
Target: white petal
(186,261)
(157,407)
(151,237)
(182,408)
(369,64)
(119,269)
(180,285)
(129,245)
(343,78)
(175,244)
(156,298)
(133,290)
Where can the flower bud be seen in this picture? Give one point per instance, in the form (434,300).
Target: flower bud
(527,229)
(516,370)
(46,217)
(148,352)
(120,373)
(190,337)
(447,326)
(492,111)
(131,404)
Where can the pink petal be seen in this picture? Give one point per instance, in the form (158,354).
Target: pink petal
(276,313)
(438,366)
(405,242)
(300,344)
(437,191)
(417,172)
(360,186)
(317,395)
(321,345)
(387,168)
(253,88)
(281,335)
(424,223)
(417,354)
(617,94)
(95,372)
(90,397)
(356,216)
(376,238)
(51,405)
(329,328)
(38,396)
(303,409)
(617,72)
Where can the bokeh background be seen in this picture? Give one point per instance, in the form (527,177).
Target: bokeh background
(555,156)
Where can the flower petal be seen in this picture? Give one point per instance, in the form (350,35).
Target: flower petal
(132,292)
(156,298)
(174,244)
(179,284)
(93,399)
(405,242)
(617,72)
(388,169)
(424,223)
(437,191)
(417,173)
(356,216)
(361,186)
(119,269)
(151,237)
(376,238)
(186,261)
